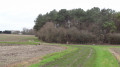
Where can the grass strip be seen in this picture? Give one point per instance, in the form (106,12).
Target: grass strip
(104,58)
(53,56)
(76,58)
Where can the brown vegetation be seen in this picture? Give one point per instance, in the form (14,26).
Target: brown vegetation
(16,38)
(62,35)
(113,38)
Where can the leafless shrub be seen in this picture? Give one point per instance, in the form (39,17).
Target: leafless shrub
(48,32)
(61,35)
(113,38)
(82,36)
(28,31)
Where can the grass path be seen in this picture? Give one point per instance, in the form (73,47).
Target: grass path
(82,56)
(104,58)
(74,59)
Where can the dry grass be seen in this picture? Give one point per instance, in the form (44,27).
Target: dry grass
(16,38)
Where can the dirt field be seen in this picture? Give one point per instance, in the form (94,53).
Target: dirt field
(10,55)
(116,53)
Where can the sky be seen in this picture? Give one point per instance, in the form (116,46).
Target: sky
(19,14)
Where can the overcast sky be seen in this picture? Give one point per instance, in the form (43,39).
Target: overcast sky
(16,14)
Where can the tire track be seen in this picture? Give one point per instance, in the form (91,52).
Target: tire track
(74,59)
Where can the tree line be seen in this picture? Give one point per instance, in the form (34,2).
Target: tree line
(78,26)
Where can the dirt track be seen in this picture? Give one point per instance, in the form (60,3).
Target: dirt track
(12,54)
(116,53)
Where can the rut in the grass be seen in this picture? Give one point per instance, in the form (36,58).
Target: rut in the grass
(73,59)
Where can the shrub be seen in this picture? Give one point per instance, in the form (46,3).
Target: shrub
(61,35)
(49,33)
(113,38)
(26,31)
(72,34)
(76,36)
(87,37)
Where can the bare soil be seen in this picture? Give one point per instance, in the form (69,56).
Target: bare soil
(10,55)
(116,53)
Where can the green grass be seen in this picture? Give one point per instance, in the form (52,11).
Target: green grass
(52,57)
(104,58)
(73,59)
(100,57)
